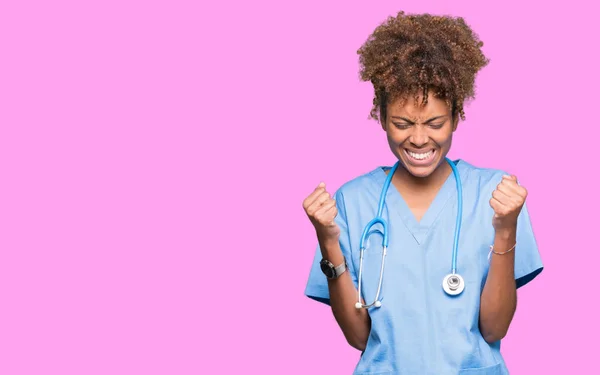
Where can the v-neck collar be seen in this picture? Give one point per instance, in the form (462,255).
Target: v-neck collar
(399,207)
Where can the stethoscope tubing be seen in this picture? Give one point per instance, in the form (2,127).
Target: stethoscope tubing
(453,289)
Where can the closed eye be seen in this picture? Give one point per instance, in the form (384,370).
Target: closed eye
(401,125)
(436,126)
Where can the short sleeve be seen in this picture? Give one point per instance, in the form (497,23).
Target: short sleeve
(528,263)
(317,287)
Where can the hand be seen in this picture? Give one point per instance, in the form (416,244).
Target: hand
(507,201)
(321,210)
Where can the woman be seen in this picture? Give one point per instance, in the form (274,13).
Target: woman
(426,318)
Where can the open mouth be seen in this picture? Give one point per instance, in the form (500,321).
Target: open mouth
(420,158)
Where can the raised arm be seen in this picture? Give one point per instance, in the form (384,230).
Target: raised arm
(355,323)
(499,296)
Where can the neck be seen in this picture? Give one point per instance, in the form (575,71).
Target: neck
(433,181)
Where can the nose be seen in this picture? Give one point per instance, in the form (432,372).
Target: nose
(419,136)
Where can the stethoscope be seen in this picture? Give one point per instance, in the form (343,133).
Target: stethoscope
(453,284)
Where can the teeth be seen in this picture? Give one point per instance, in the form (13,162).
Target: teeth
(420,156)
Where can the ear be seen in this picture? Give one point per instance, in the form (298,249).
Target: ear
(455,120)
(383,119)
(383,109)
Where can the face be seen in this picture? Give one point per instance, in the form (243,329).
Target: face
(420,135)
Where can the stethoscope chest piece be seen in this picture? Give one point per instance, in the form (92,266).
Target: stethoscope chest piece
(453,284)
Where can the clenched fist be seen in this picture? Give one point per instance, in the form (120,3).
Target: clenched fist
(321,210)
(507,201)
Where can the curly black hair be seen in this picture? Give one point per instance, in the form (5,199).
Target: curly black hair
(417,54)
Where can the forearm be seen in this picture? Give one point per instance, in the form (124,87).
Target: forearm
(354,323)
(499,297)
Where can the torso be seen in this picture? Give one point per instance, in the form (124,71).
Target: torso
(418,328)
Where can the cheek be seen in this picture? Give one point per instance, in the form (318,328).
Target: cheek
(393,138)
(443,139)
(392,142)
(396,136)
(395,143)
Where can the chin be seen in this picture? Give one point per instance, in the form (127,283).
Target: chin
(418,168)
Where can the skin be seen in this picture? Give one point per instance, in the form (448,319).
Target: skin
(423,128)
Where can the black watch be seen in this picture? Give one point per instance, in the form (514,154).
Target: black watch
(331,271)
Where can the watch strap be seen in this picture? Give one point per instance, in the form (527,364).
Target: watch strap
(339,270)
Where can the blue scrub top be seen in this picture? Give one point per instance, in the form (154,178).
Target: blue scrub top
(419,329)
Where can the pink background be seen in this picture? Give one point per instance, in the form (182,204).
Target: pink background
(154,156)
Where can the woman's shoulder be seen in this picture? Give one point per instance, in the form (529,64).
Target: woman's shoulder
(363,180)
(481,175)
(365,183)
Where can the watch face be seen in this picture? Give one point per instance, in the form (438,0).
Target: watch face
(327,269)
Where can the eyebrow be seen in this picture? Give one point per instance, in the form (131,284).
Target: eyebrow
(412,122)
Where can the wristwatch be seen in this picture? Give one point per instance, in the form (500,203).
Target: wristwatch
(331,271)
